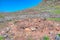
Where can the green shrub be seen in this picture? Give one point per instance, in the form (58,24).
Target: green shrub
(58,35)
(1,38)
(46,38)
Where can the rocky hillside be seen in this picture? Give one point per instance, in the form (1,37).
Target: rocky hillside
(47,9)
(32,29)
(36,23)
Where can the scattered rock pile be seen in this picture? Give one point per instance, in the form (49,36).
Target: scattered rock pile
(33,27)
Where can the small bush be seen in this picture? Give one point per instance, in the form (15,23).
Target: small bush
(58,35)
(46,38)
(1,38)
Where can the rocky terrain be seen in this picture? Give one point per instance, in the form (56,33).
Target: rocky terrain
(31,29)
(32,23)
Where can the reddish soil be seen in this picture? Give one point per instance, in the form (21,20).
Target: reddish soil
(34,28)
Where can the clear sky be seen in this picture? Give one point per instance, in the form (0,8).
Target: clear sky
(14,5)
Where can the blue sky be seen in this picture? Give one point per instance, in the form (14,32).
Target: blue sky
(14,5)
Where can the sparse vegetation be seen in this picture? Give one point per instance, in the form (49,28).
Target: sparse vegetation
(58,35)
(1,38)
(57,11)
(29,38)
(58,6)
(54,19)
(46,38)
(1,16)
